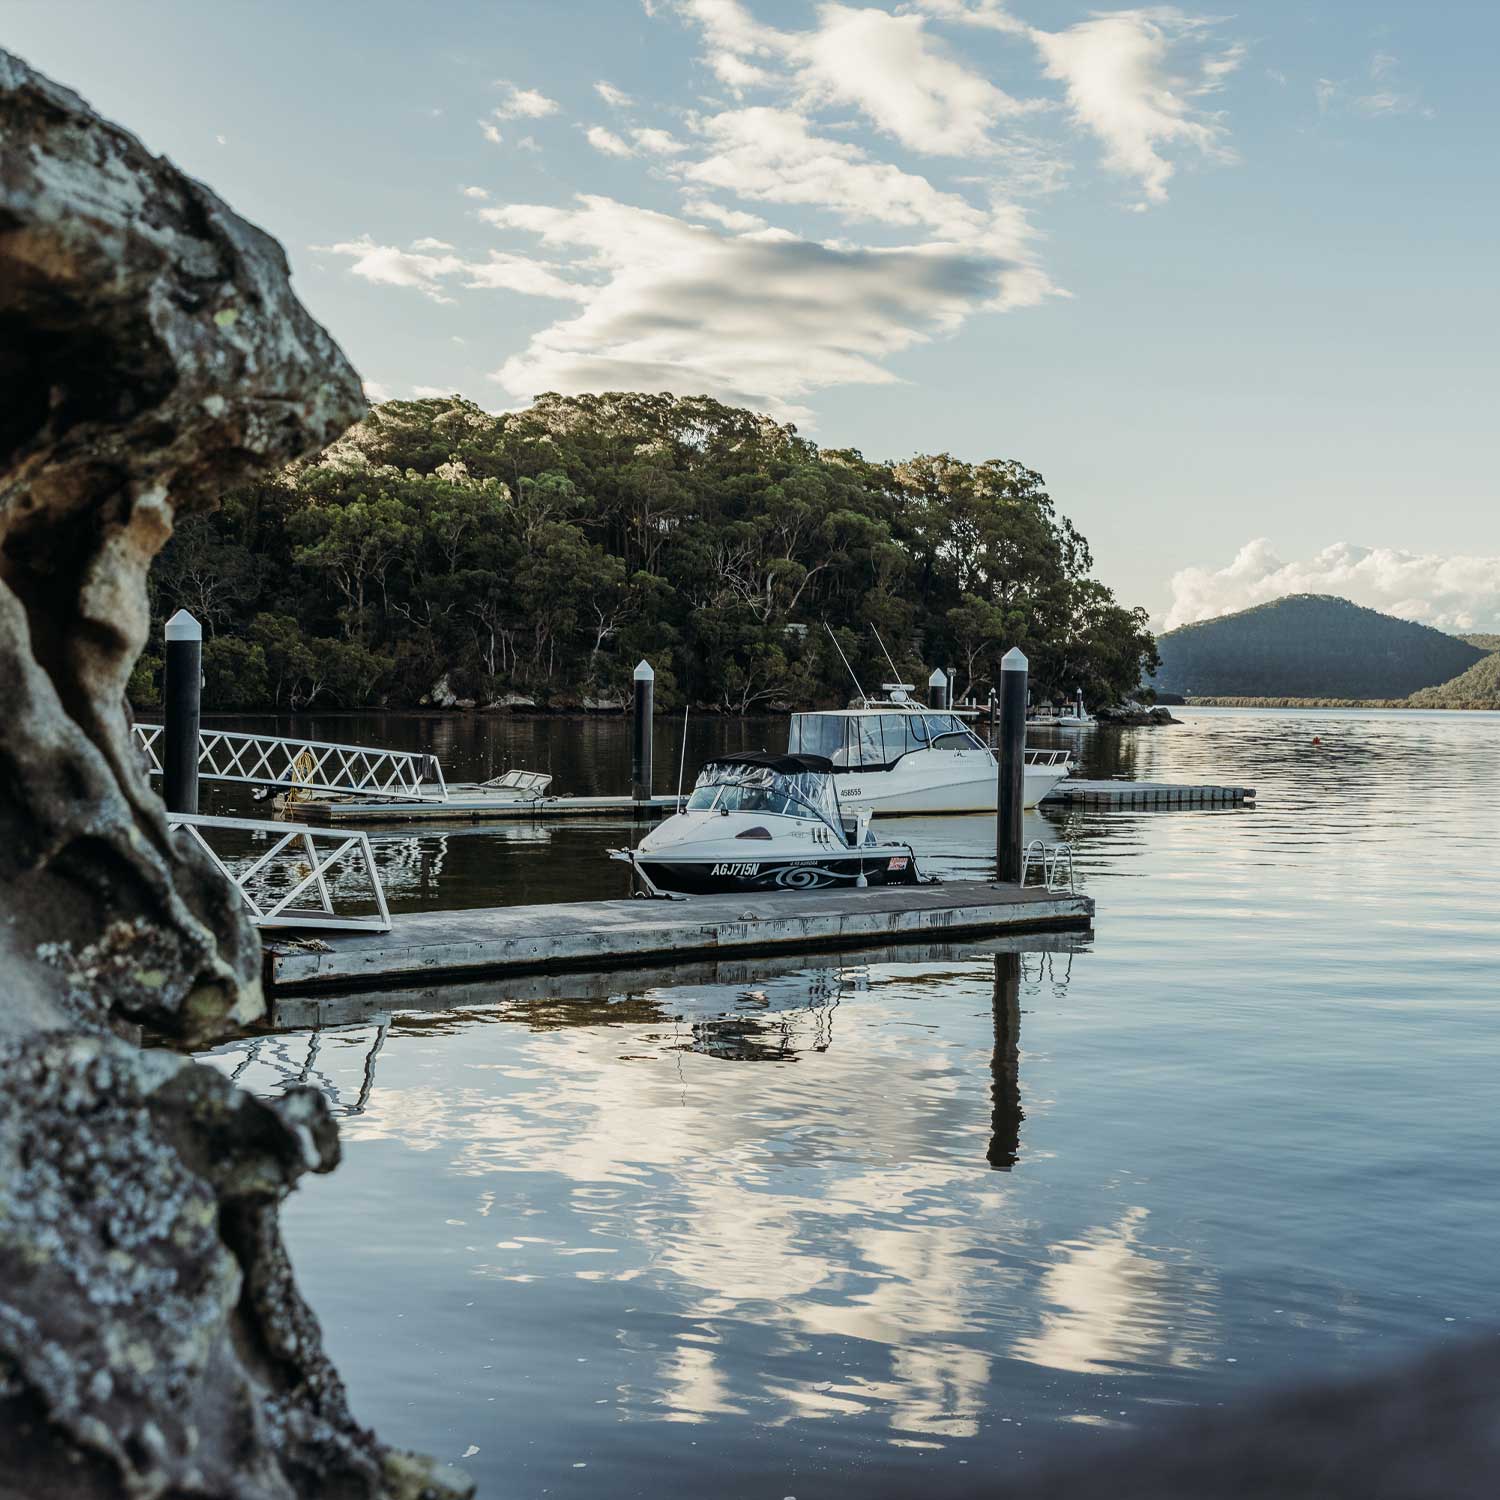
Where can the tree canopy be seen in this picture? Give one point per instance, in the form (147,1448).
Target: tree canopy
(544,552)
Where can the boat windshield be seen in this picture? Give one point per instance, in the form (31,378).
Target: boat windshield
(758,789)
(871,741)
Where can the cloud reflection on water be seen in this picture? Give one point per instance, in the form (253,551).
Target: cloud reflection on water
(853,1209)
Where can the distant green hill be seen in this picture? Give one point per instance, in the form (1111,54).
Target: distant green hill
(1483,641)
(1309,646)
(1479,687)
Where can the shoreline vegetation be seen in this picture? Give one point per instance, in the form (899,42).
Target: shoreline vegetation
(438,555)
(1194,701)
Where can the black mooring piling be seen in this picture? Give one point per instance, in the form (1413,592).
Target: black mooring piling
(939,689)
(642,708)
(1010,750)
(182,707)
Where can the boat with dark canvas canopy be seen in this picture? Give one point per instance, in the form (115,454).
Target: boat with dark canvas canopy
(760,821)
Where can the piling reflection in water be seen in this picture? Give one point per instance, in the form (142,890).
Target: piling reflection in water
(1005,1065)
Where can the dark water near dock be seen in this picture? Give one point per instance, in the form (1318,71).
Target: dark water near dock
(900,1226)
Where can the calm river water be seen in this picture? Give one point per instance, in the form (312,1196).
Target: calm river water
(904,1224)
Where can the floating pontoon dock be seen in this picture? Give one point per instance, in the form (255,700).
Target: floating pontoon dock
(474,805)
(1148,794)
(589,935)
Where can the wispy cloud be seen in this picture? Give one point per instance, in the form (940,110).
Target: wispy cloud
(475,192)
(1375,94)
(491,133)
(764,318)
(524,104)
(1452,592)
(658,142)
(724,298)
(1126,85)
(607,142)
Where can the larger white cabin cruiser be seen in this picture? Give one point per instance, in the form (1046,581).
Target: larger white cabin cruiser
(895,756)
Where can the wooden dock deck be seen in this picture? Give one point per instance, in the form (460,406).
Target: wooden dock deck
(1148,794)
(590,935)
(474,805)
(297,1011)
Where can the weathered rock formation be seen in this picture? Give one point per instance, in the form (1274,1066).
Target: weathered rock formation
(152,1343)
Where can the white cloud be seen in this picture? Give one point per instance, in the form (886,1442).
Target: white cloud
(376,391)
(903,79)
(771,156)
(527,104)
(730,218)
(520,273)
(1452,593)
(658,142)
(427,392)
(607,142)
(1378,96)
(890,67)
(424,270)
(386,265)
(475,192)
(615,98)
(762,319)
(491,133)
(1124,87)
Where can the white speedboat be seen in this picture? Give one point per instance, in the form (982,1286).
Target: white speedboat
(895,756)
(762,822)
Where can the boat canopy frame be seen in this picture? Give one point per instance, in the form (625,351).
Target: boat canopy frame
(806,780)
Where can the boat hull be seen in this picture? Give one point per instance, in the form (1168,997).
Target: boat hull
(690,875)
(892,794)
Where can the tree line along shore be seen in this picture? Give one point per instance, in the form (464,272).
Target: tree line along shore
(437,552)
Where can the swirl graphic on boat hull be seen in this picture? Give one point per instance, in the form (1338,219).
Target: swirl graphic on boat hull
(810,877)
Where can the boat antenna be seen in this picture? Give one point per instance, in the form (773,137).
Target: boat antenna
(850,670)
(682,762)
(895,675)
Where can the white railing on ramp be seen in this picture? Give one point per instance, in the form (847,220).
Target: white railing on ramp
(306,765)
(303,877)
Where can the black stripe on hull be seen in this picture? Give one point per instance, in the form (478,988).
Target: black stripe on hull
(706,878)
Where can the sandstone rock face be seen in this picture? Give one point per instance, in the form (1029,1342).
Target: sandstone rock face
(151,352)
(152,1343)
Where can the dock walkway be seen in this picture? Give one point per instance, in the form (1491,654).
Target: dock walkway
(589,935)
(1148,794)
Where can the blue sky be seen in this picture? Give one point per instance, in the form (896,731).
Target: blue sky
(1226,279)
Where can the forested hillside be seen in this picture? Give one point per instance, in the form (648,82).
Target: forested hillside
(542,553)
(1479,687)
(1309,646)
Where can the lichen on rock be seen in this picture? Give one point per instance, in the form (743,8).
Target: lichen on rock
(152,1340)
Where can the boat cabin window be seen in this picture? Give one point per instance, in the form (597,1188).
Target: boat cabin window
(870,741)
(757,789)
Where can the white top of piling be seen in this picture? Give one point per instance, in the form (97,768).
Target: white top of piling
(643,671)
(939,678)
(183,627)
(1014,660)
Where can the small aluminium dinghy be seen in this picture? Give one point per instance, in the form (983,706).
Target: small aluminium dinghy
(765,822)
